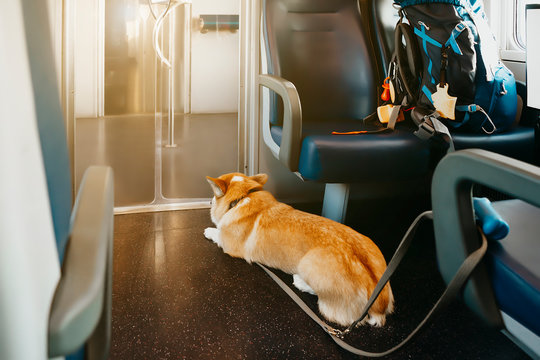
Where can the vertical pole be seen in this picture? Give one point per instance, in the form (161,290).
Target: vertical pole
(248,125)
(187,59)
(172,23)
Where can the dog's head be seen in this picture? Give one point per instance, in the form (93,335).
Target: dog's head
(231,190)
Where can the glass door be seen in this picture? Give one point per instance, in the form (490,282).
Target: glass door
(169,100)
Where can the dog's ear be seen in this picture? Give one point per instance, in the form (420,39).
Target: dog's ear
(218,186)
(260,178)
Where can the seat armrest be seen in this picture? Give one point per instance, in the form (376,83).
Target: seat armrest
(455,229)
(289,150)
(81,304)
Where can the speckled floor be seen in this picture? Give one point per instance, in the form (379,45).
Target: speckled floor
(177,296)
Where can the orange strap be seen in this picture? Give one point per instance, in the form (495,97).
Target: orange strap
(350,132)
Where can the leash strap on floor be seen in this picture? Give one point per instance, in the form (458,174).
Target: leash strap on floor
(451,291)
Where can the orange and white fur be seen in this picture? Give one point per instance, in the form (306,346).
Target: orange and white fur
(326,258)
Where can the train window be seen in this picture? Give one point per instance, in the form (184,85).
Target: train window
(519,22)
(507,19)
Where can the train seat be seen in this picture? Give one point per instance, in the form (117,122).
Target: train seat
(67,271)
(332,159)
(323,60)
(519,142)
(505,290)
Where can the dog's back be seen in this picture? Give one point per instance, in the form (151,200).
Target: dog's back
(340,265)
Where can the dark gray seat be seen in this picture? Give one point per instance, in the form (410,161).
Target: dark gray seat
(323,60)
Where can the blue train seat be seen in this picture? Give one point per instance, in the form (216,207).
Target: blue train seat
(519,142)
(505,289)
(58,253)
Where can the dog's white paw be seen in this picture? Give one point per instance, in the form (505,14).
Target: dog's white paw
(212,234)
(302,285)
(376,319)
(209,232)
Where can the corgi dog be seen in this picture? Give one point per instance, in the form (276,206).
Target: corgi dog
(326,258)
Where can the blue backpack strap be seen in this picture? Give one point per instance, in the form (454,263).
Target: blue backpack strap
(452,39)
(427,39)
(427,92)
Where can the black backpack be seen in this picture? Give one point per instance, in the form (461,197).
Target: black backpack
(448,46)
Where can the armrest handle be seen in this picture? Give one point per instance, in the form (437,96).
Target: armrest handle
(81,305)
(455,229)
(289,150)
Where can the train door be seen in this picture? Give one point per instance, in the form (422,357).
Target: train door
(155,95)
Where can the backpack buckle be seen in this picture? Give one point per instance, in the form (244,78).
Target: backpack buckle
(425,129)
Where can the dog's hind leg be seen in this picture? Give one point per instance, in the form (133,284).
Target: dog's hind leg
(340,300)
(343,287)
(302,285)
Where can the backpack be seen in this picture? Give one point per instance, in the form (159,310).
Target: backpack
(447,47)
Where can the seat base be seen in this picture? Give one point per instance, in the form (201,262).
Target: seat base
(517,143)
(385,156)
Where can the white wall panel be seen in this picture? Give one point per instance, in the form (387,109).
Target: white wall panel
(29,266)
(87,58)
(214,61)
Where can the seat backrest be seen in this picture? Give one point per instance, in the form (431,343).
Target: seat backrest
(44,313)
(52,133)
(327,50)
(29,265)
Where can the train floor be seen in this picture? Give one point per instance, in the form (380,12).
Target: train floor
(176,295)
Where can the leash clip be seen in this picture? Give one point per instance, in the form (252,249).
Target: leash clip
(337,333)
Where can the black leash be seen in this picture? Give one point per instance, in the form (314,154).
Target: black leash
(451,291)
